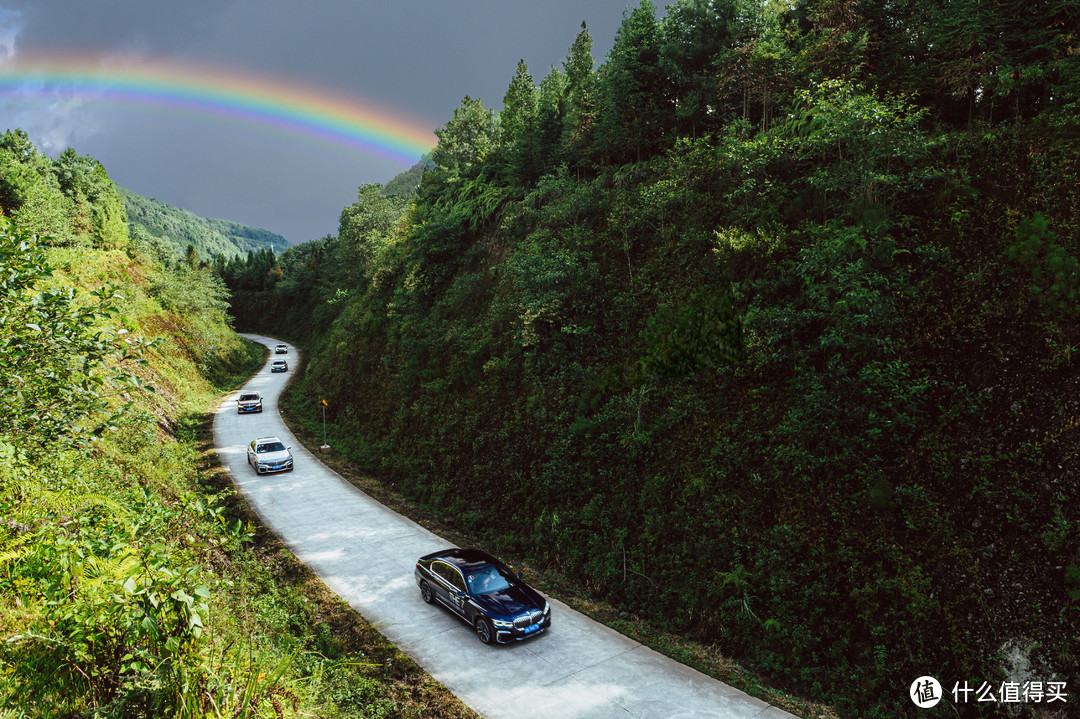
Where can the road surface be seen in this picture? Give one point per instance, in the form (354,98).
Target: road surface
(366,554)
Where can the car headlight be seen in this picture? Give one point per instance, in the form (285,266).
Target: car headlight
(503,625)
(547,609)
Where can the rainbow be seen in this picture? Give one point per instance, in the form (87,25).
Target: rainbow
(227,92)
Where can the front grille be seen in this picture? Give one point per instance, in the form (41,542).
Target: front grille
(527,620)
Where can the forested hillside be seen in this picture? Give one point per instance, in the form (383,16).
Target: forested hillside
(177,229)
(764,328)
(132,581)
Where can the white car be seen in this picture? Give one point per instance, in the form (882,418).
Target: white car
(269,454)
(281,349)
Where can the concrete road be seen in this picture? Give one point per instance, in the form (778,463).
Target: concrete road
(366,553)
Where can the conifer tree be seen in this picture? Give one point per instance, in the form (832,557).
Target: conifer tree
(550,115)
(632,118)
(579,119)
(516,123)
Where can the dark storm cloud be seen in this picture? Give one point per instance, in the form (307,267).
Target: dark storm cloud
(416,58)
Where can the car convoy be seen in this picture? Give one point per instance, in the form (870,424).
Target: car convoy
(473,585)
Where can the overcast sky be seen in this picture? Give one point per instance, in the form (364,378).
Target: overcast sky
(414,58)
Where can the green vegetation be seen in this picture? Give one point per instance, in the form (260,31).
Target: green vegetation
(176,229)
(764,329)
(70,199)
(133,581)
(406,182)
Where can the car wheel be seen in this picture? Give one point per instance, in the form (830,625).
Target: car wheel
(483,630)
(425,593)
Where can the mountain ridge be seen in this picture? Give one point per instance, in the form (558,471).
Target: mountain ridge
(180,227)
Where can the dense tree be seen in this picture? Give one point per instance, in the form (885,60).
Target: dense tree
(517,126)
(549,122)
(466,140)
(788,300)
(581,99)
(697,37)
(96,209)
(29,191)
(635,94)
(362,230)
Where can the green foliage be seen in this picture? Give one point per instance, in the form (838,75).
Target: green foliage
(581,99)
(696,39)
(130,583)
(742,346)
(59,369)
(405,184)
(702,336)
(95,207)
(633,88)
(1055,274)
(465,140)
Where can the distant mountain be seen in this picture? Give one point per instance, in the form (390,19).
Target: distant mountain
(179,228)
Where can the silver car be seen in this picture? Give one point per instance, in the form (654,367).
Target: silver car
(269,454)
(248,402)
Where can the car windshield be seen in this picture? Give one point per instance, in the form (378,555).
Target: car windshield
(486,580)
(248,397)
(270,447)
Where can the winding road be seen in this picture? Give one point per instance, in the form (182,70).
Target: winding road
(366,554)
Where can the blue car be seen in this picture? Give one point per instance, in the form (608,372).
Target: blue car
(483,592)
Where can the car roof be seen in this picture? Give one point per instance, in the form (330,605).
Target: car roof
(463,558)
(260,440)
(249,394)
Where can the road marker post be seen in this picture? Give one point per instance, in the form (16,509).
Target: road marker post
(325,447)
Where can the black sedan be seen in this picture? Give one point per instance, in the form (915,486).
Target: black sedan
(483,592)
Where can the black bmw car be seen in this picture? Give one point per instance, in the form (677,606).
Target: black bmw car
(484,592)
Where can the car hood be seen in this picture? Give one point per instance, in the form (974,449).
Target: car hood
(249,401)
(511,602)
(273,456)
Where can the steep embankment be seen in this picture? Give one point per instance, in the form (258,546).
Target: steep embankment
(132,581)
(782,362)
(856,498)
